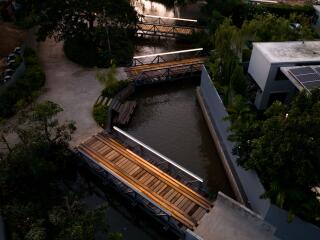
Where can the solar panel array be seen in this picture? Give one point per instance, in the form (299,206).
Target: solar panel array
(308,77)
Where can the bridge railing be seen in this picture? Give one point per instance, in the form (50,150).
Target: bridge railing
(167,56)
(159,20)
(162,162)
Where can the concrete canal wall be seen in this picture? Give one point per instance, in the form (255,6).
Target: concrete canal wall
(246,184)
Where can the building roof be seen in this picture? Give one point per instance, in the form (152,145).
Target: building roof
(303,77)
(290,52)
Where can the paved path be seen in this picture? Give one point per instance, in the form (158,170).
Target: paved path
(73,87)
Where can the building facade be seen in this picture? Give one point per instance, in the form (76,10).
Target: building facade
(265,65)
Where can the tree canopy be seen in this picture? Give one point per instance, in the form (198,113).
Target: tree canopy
(284,148)
(38,199)
(66,19)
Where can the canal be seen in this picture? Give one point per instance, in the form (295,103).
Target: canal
(168,119)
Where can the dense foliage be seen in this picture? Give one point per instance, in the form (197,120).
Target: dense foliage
(112,86)
(284,148)
(100,114)
(95,32)
(38,197)
(85,51)
(282,145)
(110,82)
(25,89)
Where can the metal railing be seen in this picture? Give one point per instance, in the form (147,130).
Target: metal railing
(160,20)
(162,162)
(166,56)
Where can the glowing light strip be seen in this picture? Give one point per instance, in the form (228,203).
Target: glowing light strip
(158,154)
(169,53)
(171,18)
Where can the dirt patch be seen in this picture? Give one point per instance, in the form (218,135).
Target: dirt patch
(10,38)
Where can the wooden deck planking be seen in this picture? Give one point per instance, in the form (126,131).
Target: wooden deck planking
(170,194)
(154,28)
(136,70)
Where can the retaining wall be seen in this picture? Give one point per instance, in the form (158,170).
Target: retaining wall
(246,184)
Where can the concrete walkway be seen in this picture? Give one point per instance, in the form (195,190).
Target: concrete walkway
(229,220)
(73,87)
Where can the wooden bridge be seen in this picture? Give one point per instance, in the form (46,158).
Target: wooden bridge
(167,27)
(160,67)
(167,197)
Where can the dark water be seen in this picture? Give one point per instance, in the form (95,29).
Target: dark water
(170,120)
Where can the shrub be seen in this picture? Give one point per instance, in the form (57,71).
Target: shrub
(112,89)
(81,51)
(88,52)
(25,89)
(100,114)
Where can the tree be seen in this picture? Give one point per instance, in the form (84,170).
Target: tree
(268,27)
(94,32)
(225,7)
(225,58)
(284,148)
(37,197)
(65,19)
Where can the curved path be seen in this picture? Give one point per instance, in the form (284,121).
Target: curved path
(72,86)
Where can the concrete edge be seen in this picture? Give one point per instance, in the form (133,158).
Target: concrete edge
(231,177)
(244,211)
(192,236)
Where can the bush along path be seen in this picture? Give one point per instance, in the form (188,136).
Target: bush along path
(25,89)
(113,100)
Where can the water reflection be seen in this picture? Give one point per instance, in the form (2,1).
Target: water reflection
(153,8)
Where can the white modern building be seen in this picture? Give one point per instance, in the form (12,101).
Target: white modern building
(271,64)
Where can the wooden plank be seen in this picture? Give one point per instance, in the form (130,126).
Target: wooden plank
(175,198)
(173,195)
(103,148)
(149,180)
(176,213)
(127,165)
(193,210)
(168,179)
(161,188)
(115,160)
(131,167)
(106,151)
(133,171)
(121,161)
(179,200)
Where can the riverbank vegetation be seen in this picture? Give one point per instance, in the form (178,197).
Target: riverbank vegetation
(281,144)
(40,197)
(283,148)
(111,86)
(25,89)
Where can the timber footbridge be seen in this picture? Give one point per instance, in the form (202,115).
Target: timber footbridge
(168,66)
(171,193)
(166,27)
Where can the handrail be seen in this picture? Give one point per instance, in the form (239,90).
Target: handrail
(158,154)
(169,53)
(170,18)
